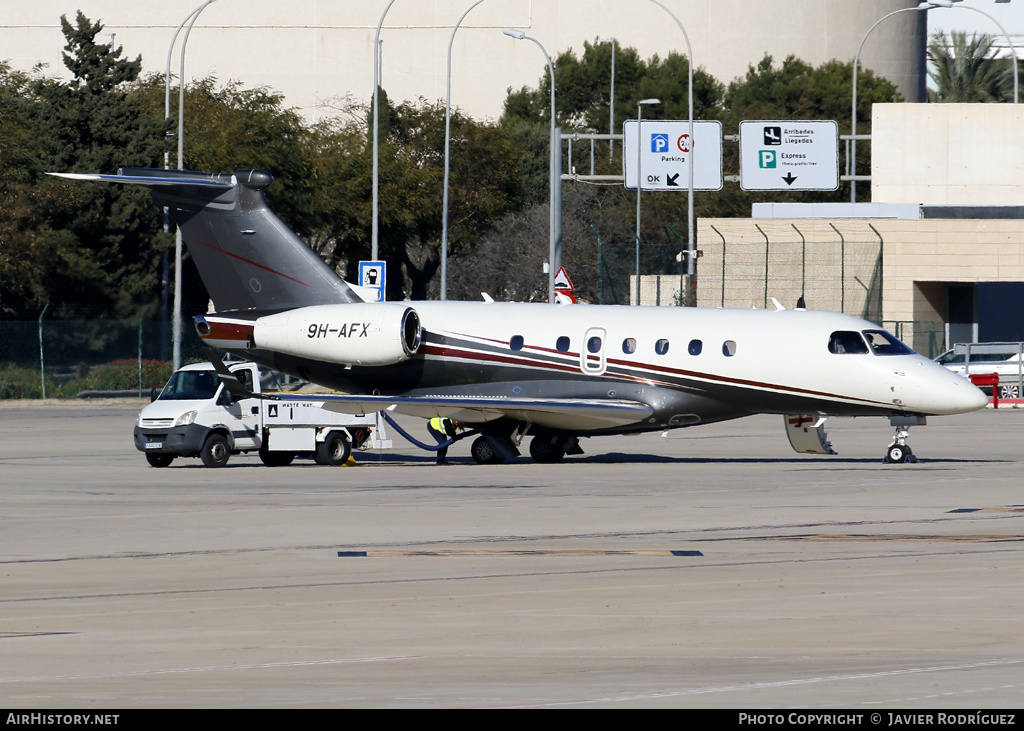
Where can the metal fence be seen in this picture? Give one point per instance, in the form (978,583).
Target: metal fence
(812,263)
(61,358)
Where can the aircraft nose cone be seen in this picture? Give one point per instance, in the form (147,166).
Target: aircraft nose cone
(974,398)
(944,392)
(962,396)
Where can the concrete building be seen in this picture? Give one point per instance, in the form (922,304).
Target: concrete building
(317,52)
(938,256)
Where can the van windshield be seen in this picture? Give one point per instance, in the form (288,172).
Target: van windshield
(191,385)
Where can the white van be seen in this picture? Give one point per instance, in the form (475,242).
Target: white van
(195,416)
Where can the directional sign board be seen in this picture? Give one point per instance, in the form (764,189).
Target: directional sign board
(665,154)
(778,155)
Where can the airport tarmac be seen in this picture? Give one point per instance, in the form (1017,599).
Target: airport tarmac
(713,568)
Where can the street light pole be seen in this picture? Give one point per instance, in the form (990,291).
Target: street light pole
(553,254)
(448,156)
(611,102)
(640,180)
(691,249)
(190,19)
(924,6)
(376,143)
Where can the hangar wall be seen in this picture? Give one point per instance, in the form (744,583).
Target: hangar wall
(948,154)
(317,52)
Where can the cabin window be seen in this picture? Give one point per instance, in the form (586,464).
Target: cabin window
(844,341)
(629,346)
(729,348)
(516,343)
(661,347)
(695,347)
(882,343)
(562,344)
(594,345)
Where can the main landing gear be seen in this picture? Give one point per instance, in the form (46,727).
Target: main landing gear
(545,448)
(899,451)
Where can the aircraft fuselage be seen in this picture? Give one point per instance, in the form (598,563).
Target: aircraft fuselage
(689,365)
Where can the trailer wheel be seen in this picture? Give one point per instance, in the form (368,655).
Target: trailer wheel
(159,460)
(216,451)
(333,451)
(276,459)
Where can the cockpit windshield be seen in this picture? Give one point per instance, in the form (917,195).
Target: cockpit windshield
(882,343)
(191,385)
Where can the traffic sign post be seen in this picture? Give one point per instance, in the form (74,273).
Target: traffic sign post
(781,155)
(373,275)
(667,151)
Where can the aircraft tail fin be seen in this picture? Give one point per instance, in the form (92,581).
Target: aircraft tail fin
(247,257)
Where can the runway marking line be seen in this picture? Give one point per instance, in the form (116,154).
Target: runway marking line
(539,552)
(888,537)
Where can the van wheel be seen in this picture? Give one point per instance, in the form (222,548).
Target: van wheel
(215,451)
(159,460)
(1008,391)
(333,451)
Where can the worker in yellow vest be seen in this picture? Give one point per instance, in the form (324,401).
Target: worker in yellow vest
(442,429)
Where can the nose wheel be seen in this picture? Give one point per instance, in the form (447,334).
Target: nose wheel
(899,451)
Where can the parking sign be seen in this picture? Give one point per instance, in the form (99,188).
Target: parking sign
(666,151)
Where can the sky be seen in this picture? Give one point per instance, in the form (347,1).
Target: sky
(1009,15)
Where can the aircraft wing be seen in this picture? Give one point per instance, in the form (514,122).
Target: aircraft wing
(566,414)
(551,413)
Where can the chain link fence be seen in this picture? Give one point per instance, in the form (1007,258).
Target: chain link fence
(66,358)
(806,263)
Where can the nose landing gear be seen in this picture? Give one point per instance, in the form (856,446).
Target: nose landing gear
(899,451)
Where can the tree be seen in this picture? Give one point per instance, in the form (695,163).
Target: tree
(582,87)
(966,70)
(89,244)
(484,184)
(507,263)
(20,260)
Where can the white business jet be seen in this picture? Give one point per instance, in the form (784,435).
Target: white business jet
(552,372)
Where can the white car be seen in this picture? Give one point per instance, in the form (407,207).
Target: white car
(1001,358)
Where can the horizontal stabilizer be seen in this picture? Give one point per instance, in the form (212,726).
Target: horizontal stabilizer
(199,179)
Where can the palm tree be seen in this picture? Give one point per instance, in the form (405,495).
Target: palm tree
(963,70)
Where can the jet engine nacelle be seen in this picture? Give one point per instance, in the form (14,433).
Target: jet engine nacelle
(364,334)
